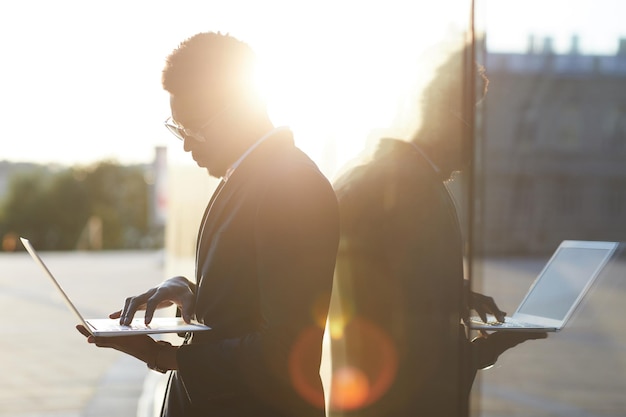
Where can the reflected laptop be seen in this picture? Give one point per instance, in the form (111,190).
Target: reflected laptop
(557,290)
(111,327)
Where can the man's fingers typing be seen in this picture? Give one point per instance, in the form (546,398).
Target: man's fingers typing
(482,315)
(151,305)
(500,315)
(490,305)
(187,312)
(128,312)
(132,305)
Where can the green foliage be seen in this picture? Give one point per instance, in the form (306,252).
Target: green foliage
(52,208)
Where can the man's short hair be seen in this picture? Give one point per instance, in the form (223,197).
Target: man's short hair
(217,65)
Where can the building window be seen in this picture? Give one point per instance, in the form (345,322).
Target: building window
(522,196)
(567,197)
(616,199)
(614,128)
(569,132)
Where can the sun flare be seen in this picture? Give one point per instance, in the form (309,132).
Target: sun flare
(342,89)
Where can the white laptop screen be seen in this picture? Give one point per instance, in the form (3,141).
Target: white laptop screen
(563,281)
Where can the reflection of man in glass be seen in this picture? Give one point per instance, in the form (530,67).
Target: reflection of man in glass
(399,348)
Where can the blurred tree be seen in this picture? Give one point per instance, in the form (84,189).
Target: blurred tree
(118,195)
(24,208)
(67,209)
(54,208)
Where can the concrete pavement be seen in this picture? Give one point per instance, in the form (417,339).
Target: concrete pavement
(578,372)
(47,368)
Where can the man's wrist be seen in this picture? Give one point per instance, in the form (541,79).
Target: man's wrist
(156,364)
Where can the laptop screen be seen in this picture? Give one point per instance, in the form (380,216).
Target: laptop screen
(563,281)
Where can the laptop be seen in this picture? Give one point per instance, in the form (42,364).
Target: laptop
(557,290)
(111,327)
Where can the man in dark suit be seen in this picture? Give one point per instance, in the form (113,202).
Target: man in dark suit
(402,350)
(265,252)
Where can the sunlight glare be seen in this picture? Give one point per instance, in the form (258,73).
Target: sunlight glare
(341,88)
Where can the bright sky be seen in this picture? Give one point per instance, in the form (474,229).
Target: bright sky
(599,23)
(80,80)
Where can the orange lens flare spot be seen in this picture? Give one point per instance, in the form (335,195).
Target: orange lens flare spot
(350,388)
(365,364)
(304,361)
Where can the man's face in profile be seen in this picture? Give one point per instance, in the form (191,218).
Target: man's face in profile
(448,134)
(207,145)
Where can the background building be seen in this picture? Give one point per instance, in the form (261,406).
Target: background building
(550,162)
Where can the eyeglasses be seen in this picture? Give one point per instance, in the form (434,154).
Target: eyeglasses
(182,132)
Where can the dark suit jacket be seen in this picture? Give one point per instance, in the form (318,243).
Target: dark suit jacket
(399,278)
(265,261)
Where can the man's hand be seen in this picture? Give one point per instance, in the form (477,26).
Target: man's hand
(142,347)
(177,290)
(486,348)
(484,305)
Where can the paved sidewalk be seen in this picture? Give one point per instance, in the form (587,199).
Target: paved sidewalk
(578,372)
(48,370)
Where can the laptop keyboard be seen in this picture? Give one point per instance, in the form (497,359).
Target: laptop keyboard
(508,323)
(137,324)
(134,325)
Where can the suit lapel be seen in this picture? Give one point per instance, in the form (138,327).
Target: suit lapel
(254,164)
(202,240)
